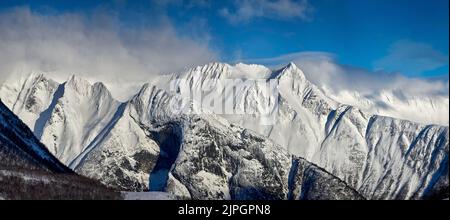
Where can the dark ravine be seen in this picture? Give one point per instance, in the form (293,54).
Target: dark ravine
(292,175)
(169,140)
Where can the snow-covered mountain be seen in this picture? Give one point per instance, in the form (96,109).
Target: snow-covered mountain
(77,111)
(379,156)
(142,144)
(29,171)
(201,157)
(19,147)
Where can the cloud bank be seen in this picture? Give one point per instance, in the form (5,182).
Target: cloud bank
(246,10)
(411,58)
(94,46)
(395,95)
(323,69)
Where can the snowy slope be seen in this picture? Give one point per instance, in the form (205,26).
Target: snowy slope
(29,97)
(66,117)
(29,171)
(124,156)
(147,196)
(397,104)
(19,147)
(79,115)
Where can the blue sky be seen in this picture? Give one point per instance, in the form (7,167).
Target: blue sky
(406,36)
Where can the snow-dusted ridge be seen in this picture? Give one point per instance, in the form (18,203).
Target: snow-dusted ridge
(19,147)
(141,142)
(28,171)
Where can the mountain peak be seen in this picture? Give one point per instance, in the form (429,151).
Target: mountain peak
(289,71)
(292,65)
(293,68)
(250,71)
(79,84)
(75,78)
(101,89)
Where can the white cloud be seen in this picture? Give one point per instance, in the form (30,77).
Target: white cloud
(412,58)
(322,69)
(246,10)
(412,98)
(94,46)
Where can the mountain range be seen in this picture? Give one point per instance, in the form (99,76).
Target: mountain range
(318,148)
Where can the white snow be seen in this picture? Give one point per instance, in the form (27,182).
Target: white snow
(147,196)
(422,109)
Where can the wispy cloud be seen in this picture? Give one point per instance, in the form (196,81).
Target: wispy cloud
(396,95)
(246,10)
(94,45)
(324,70)
(279,61)
(412,58)
(182,3)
